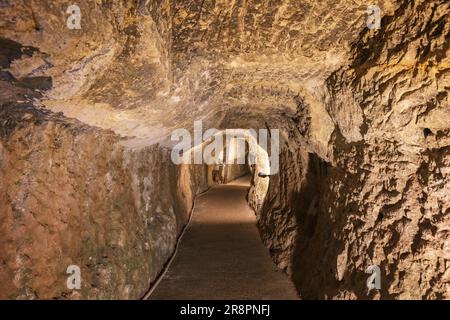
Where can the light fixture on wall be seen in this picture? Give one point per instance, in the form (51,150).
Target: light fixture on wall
(263,175)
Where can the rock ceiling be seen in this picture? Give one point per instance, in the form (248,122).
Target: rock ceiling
(141,69)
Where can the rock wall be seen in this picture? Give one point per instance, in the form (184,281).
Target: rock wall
(78,195)
(380,195)
(73,193)
(363,116)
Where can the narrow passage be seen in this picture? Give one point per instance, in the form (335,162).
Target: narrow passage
(221,255)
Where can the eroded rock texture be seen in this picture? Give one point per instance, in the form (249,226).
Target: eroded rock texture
(74,194)
(381,196)
(363,115)
(78,195)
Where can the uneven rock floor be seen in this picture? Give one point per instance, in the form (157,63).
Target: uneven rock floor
(221,256)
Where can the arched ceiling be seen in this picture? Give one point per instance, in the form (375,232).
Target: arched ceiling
(142,68)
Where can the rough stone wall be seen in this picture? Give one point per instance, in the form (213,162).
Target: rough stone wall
(380,196)
(364,120)
(78,195)
(72,193)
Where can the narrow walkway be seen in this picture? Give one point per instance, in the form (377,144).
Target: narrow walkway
(221,255)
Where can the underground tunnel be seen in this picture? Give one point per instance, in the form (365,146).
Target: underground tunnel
(345,176)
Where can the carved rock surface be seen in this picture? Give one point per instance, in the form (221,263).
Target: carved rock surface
(381,195)
(86,116)
(78,195)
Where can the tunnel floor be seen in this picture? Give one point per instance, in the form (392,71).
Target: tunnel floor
(221,255)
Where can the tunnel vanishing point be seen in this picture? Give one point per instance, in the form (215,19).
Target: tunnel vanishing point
(91,93)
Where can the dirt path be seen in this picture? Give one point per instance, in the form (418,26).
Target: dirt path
(221,255)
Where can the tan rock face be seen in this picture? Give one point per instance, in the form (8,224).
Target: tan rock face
(382,196)
(75,195)
(364,119)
